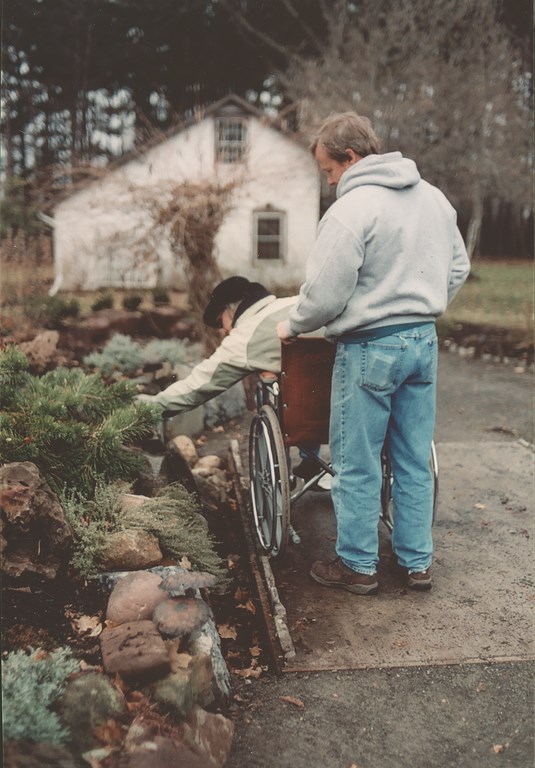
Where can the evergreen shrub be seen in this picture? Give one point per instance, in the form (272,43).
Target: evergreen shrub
(92,520)
(121,353)
(132,302)
(49,311)
(173,350)
(173,516)
(104,301)
(31,683)
(160,296)
(73,426)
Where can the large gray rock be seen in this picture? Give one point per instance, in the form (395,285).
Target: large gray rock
(131,549)
(185,686)
(87,702)
(134,650)
(37,536)
(175,692)
(135,597)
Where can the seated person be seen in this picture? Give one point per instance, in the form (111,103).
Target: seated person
(248,315)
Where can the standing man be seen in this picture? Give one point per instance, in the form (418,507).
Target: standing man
(388,259)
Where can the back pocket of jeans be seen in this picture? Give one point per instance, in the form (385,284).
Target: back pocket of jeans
(380,367)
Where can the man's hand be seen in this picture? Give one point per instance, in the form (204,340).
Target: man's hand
(283,332)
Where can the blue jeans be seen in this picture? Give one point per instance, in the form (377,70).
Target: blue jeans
(384,388)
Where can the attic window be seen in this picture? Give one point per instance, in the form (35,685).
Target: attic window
(269,229)
(231,139)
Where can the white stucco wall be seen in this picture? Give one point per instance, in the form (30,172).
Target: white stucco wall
(98,230)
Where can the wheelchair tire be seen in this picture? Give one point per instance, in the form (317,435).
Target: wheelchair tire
(269,483)
(387,507)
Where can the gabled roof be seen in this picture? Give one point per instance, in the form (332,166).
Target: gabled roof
(231,105)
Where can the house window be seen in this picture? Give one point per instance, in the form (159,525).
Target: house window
(231,139)
(269,234)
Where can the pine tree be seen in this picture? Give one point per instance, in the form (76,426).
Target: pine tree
(73,426)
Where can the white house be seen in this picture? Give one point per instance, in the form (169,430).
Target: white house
(266,236)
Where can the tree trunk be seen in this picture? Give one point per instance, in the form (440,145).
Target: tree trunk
(474,227)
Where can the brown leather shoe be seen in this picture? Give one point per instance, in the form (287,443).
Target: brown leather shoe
(336,574)
(420,580)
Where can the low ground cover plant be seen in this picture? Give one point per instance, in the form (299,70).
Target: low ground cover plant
(125,355)
(31,683)
(173,516)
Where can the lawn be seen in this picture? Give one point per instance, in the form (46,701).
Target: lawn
(499,294)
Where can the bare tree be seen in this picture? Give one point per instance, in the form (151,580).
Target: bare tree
(441,81)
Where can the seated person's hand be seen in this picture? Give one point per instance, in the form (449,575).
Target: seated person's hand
(283,332)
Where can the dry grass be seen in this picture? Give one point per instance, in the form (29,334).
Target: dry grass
(27,274)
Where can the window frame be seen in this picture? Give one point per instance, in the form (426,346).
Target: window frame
(269,213)
(224,147)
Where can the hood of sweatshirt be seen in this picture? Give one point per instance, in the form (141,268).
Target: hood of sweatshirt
(389,170)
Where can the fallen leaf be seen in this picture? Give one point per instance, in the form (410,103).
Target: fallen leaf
(227,632)
(136,695)
(480,506)
(481,687)
(498,748)
(250,672)
(255,650)
(293,700)
(241,595)
(90,626)
(109,733)
(237,697)
(248,606)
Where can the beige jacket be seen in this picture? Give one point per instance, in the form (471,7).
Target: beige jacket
(252,345)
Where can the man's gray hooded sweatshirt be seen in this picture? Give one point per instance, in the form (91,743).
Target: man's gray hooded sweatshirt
(388,252)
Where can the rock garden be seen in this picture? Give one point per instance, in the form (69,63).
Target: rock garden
(127,607)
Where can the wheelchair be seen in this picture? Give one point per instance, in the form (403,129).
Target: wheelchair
(293,410)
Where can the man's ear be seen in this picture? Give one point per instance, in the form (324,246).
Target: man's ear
(352,156)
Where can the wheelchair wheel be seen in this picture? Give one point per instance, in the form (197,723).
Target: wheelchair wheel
(387,507)
(269,487)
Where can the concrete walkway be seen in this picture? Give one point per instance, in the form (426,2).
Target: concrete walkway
(414,680)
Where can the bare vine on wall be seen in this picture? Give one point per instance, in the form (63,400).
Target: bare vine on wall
(189,216)
(192,217)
